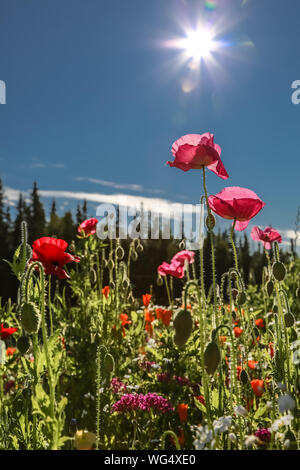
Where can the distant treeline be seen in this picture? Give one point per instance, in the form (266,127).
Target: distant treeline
(143,271)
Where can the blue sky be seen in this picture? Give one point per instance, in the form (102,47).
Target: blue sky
(95,99)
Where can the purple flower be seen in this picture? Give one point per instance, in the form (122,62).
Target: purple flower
(263,434)
(150,401)
(181,380)
(117,386)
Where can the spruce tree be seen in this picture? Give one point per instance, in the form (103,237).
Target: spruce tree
(37,219)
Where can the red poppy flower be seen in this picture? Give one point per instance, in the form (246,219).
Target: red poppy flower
(259,323)
(51,253)
(6,332)
(271,349)
(10,351)
(237,331)
(88,227)
(201,399)
(257,387)
(195,151)
(146,299)
(105,291)
(149,317)
(182,410)
(239,370)
(252,364)
(164,315)
(267,236)
(237,203)
(125,321)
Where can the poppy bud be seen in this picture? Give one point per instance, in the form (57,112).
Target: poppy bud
(210,222)
(212,357)
(109,362)
(30,318)
(134,255)
(125,283)
(72,247)
(293,335)
(241,298)
(183,325)
(120,252)
(159,281)
(110,264)
(244,377)
(269,288)
(182,245)
(23,344)
(289,319)
(279,270)
(275,308)
(234,293)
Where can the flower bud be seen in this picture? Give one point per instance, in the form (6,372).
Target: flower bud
(23,344)
(244,377)
(183,325)
(110,264)
(120,252)
(289,319)
(109,363)
(159,281)
(139,247)
(212,357)
(93,276)
(210,221)
(134,255)
(269,288)
(30,317)
(279,271)
(241,298)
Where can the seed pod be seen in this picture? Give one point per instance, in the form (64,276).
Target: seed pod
(182,245)
(159,281)
(93,276)
(109,363)
(183,325)
(120,252)
(244,377)
(279,270)
(241,298)
(30,318)
(110,264)
(210,222)
(134,255)
(23,344)
(289,319)
(212,357)
(270,288)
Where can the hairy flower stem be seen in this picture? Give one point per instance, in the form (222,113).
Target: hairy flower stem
(101,350)
(213,261)
(233,246)
(49,305)
(173,436)
(201,259)
(168,290)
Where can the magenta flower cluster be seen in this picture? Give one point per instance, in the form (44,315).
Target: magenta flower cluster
(117,386)
(263,434)
(150,401)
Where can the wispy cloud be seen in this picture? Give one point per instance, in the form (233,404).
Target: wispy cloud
(37,163)
(112,184)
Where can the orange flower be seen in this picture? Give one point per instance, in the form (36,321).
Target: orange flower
(10,351)
(164,315)
(182,410)
(189,307)
(146,299)
(257,387)
(149,328)
(239,370)
(252,364)
(222,339)
(260,323)
(125,321)
(271,349)
(237,331)
(105,291)
(181,436)
(201,399)
(149,317)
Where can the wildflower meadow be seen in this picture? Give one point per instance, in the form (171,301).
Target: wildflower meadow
(87,364)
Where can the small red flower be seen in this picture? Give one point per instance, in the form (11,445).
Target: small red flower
(201,399)
(271,349)
(51,253)
(164,315)
(222,339)
(125,321)
(6,332)
(237,331)
(10,351)
(257,387)
(239,370)
(252,364)
(146,299)
(260,323)
(149,317)
(88,227)
(105,291)
(182,410)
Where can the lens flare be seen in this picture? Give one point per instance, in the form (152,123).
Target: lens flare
(198,44)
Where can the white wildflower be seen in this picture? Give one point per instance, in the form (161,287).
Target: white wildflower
(232,437)
(240,410)
(222,424)
(283,421)
(250,440)
(203,436)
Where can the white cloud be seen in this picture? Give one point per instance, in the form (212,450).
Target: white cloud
(112,184)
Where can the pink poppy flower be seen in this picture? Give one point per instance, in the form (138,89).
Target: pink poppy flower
(88,227)
(174,269)
(183,255)
(237,203)
(194,151)
(267,236)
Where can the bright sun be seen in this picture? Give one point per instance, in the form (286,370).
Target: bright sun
(198,44)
